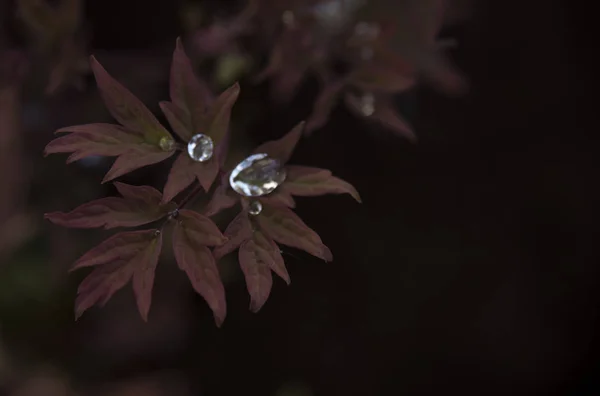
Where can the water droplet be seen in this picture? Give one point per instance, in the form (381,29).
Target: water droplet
(200,148)
(255,208)
(173,214)
(257,175)
(367,104)
(156,233)
(288,18)
(166,144)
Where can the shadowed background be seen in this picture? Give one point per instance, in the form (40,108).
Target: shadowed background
(469,268)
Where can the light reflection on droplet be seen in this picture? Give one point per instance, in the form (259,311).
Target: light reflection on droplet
(166,144)
(254,208)
(200,148)
(257,175)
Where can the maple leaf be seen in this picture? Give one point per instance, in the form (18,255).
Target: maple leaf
(139,141)
(192,235)
(256,235)
(116,261)
(140,205)
(193,111)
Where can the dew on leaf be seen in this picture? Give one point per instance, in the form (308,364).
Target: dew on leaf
(255,208)
(166,144)
(257,175)
(200,148)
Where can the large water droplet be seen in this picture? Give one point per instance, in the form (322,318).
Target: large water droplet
(254,208)
(257,175)
(367,104)
(200,148)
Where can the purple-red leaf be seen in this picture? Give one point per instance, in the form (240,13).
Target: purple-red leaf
(254,262)
(285,227)
(283,148)
(200,228)
(135,159)
(384,114)
(307,181)
(140,205)
(179,120)
(220,114)
(188,93)
(185,171)
(120,246)
(223,197)
(123,256)
(274,259)
(238,231)
(128,110)
(280,197)
(196,260)
(377,77)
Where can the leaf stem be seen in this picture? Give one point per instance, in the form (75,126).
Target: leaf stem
(192,194)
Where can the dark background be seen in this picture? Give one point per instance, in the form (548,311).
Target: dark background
(470,268)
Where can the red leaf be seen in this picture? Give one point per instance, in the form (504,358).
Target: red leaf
(143,275)
(384,114)
(188,93)
(178,119)
(121,246)
(257,272)
(285,227)
(93,139)
(238,231)
(185,171)
(141,205)
(274,259)
(307,181)
(220,114)
(280,197)
(200,228)
(147,194)
(195,259)
(125,255)
(126,108)
(283,148)
(223,197)
(135,159)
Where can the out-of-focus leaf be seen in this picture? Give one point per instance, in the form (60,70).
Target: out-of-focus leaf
(121,257)
(254,262)
(185,170)
(283,148)
(132,211)
(375,77)
(238,231)
(126,108)
(324,105)
(192,234)
(384,114)
(285,227)
(307,181)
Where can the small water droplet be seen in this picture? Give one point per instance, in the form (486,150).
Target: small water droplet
(257,175)
(166,144)
(367,104)
(288,18)
(173,214)
(156,233)
(200,148)
(255,208)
